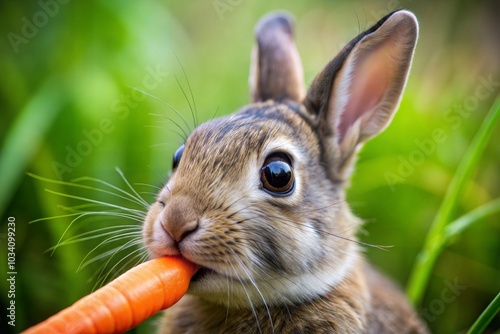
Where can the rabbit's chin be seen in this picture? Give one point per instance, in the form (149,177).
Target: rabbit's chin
(245,292)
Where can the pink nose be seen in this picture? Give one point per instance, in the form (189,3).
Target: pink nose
(179,218)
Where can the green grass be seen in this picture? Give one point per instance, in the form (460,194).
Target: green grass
(440,232)
(485,318)
(26,134)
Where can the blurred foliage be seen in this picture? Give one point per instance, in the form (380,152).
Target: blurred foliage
(71,106)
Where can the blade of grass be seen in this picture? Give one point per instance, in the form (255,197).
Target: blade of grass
(485,318)
(460,224)
(436,236)
(25,136)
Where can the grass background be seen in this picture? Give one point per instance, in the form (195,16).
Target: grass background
(78,70)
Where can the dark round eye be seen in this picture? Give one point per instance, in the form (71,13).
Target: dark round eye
(277,175)
(177,157)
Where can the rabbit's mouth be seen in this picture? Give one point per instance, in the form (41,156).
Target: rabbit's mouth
(201,273)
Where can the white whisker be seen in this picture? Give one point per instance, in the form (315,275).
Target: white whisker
(252,281)
(248,297)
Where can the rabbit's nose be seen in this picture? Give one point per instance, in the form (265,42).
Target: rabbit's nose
(179,218)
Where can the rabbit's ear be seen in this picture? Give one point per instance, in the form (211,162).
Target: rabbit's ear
(276,71)
(355,97)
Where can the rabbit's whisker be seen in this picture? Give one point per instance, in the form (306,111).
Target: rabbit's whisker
(147,185)
(136,239)
(247,272)
(99,233)
(215,113)
(179,114)
(137,252)
(193,101)
(139,258)
(229,284)
(248,297)
(183,134)
(294,223)
(137,196)
(106,204)
(75,184)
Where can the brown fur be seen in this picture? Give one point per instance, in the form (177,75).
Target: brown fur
(291,263)
(340,311)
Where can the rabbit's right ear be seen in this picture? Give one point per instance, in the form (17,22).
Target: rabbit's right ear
(276,70)
(357,94)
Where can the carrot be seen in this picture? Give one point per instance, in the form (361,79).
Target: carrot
(125,302)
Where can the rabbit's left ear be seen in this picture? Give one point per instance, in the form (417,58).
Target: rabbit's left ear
(276,70)
(356,95)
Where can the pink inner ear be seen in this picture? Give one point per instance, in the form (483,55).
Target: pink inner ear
(371,76)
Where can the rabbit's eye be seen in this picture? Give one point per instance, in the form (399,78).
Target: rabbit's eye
(276,175)
(177,157)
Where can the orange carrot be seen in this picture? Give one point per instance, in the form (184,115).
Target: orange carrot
(125,302)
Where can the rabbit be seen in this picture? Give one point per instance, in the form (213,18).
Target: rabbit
(257,199)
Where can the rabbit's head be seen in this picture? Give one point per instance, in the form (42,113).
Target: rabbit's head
(256,198)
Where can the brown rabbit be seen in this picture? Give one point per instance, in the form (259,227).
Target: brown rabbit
(257,198)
